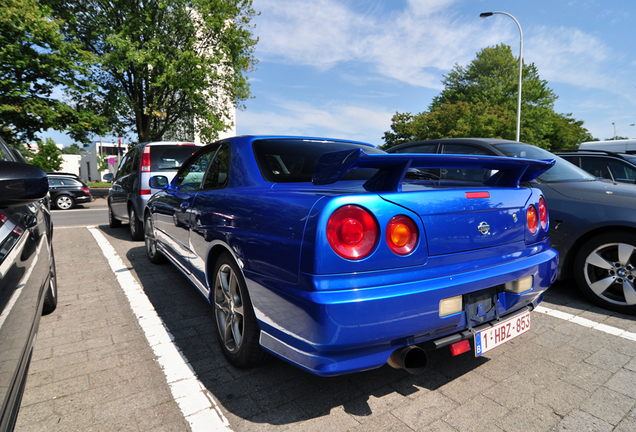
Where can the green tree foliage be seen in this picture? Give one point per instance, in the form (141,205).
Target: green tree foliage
(35,59)
(73,149)
(164,64)
(48,158)
(480,100)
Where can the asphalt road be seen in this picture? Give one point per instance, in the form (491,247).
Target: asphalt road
(132,346)
(92,213)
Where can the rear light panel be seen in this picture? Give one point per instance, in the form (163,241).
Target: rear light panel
(532,218)
(145,160)
(352,232)
(402,235)
(87,191)
(543,214)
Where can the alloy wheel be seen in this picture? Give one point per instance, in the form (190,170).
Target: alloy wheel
(228,307)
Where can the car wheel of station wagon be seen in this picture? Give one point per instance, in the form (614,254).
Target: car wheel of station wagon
(236,324)
(112,221)
(154,255)
(136,227)
(605,270)
(64,202)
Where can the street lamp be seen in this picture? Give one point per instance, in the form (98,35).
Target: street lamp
(486,15)
(616,130)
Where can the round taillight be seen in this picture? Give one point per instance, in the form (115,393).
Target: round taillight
(401,235)
(352,232)
(543,213)
(533,219)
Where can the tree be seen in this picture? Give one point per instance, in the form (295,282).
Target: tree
(164,65)
(480,100)
(73,149)
(49,157)
(35,59)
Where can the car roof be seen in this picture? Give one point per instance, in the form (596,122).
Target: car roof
(483,142)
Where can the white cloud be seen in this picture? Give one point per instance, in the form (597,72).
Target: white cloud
(363,123)
(411,45)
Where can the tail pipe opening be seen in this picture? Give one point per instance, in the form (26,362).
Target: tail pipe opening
(412,359)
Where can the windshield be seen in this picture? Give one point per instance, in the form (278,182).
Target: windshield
(561,171)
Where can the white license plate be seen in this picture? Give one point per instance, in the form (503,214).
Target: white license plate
(501,333)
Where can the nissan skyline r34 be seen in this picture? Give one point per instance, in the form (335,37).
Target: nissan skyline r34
(338,257)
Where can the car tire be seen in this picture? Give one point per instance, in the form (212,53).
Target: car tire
(237,329)
(64,202)
(112,221)
(136,227)
(153,254)
(50,298)
(605,271)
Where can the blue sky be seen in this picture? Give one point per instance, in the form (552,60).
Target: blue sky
(342,68)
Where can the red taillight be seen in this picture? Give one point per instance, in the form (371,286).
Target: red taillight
(145,160)
(543,213)
(401,235)
(352,232)
(3,218)
(533,219)
(144,192)
(87,191)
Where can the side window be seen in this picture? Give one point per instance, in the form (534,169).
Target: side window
(191,175)
(134,162)
(54,182)
(423,148)
(124,166)
(218,174)
(597,167)
(465,174)
(622,172)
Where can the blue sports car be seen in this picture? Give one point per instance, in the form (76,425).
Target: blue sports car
(338,257)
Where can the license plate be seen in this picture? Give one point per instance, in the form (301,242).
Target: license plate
(501,333)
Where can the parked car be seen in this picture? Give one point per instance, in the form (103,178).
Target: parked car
(594,221)
(320,252)
(130,189)
(620,167)
(28,284)
(67,190)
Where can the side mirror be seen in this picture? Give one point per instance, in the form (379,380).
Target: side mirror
(21,184)
(159,182)
(108,177)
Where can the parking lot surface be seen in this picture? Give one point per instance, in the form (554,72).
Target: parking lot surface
(96,366)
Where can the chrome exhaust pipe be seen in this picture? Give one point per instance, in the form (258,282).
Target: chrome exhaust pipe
(412,359)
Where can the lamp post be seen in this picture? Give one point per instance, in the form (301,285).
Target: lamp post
(622,127)
(486,15)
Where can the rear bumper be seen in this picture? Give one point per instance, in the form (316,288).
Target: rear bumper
(337,331)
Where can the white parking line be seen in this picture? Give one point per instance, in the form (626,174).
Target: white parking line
(587,323)
(196,403)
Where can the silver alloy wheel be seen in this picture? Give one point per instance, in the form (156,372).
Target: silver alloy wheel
(610,272)
(228,307)
(151,243)
(64,202)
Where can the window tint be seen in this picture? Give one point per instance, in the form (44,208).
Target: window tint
(621,171)
(191,175)
(70,182)
(420,148)
(561,171)
(294,160)
(169,157)
(218,173)
(597,167)
(124,166)
(478,175)
(54,182)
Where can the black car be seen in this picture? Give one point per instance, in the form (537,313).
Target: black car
(28,285)
(67,190)
(593,222)
(619,167)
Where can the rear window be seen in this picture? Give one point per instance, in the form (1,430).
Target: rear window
(169,157)
(294,160)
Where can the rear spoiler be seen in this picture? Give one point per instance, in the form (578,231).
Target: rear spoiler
(392,168)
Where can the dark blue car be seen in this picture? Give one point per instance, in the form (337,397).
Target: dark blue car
(338,257)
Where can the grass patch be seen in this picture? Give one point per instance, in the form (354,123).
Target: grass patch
(98,184)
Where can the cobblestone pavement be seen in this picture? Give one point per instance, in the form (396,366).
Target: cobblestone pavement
(93,369)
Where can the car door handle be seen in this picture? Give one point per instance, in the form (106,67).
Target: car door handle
(184,206)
